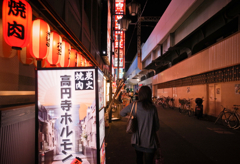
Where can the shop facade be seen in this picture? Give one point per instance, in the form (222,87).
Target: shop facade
(77,27)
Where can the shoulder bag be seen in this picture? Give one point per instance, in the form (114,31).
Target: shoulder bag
(132,123)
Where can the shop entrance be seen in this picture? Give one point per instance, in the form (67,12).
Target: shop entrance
(214,99)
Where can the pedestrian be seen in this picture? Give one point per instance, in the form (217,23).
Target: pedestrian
(145,140)
(126,100)
(136,95)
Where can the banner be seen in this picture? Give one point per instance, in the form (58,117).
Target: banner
(67,115)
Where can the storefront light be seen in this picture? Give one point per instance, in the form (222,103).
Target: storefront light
(17,24)
(133,8)
(24,56)
(65,57)
(40,40)
(72,58)
(55,48)
(124,23)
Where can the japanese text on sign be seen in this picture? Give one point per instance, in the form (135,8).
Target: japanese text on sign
(16,9)
(66,104)
(84,80)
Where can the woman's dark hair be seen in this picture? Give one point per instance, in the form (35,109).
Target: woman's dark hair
(145,96)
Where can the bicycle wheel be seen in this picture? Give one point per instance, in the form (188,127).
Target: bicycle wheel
(232,120)
(224,118)
(164,105)
(190,113)
(171,104)
(182,109)
(219,117)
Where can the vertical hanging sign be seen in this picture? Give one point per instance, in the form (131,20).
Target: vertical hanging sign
(17,22)
(119,49)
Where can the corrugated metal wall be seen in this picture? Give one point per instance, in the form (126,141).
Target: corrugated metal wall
(17,143)
(223,54)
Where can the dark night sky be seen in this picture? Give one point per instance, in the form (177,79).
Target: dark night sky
(152,8)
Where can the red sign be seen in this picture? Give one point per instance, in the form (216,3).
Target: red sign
(119,7)
(121,39)
(117,17)
(17,22)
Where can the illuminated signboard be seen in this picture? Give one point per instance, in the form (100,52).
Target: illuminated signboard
(120,62)
(121,39)
(103,154)
(69,121)
(120,58)
(119,44)
(121,73)
(119,7)
(117,25)
(109,21)
(101,104)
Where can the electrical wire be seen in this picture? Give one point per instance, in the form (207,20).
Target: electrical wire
(136,26)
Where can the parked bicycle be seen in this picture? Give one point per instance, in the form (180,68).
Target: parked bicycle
(170,102)
(161,101)
(182,105)
(185,107)
(223,116)
(233,120)
(154,99)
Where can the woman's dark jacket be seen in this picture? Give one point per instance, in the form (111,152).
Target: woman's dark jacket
(148,124)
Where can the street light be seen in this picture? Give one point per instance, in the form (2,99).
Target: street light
(124,23)
(133,8)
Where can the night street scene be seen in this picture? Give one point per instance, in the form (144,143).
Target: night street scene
(120,81)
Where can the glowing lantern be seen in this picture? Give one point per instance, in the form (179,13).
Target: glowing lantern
(65,57)
(17,22)
(40,40)
(84,62)
(6,51)
(79,60)
(55,48)
(87,63)
(48,65)
(72,58)
(24,56)
(43,62)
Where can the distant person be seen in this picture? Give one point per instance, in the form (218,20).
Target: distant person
(131,95)
(136,95)
(145,140)
(126,100)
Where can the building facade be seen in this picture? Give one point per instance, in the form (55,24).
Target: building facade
(78,22)
(193,52)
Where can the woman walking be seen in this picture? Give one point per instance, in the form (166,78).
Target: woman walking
(145,139)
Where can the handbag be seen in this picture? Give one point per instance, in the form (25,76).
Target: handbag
(158,157)
(158,153)
(132,123)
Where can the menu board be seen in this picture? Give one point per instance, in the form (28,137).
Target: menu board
(66,121)
(101,115)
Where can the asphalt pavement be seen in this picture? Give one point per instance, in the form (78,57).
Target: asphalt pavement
(184,140)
